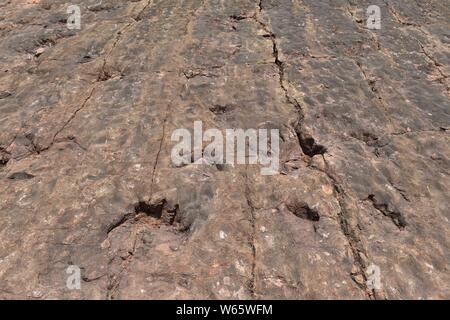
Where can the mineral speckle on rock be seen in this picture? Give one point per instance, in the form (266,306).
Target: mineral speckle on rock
(87,117)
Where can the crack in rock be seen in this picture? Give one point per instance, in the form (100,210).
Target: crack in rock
(388,210)
(252,239)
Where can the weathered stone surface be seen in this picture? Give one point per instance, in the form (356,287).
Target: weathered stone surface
(85,143)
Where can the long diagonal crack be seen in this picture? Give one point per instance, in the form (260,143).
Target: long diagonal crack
(252,286)
(351,234)
(443,79)
(371,83)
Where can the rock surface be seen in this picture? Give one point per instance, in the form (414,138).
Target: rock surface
(85,142)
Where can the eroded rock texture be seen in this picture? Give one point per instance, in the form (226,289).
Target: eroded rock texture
(86,175)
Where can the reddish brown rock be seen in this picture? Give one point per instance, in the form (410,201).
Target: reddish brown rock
(85,150)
